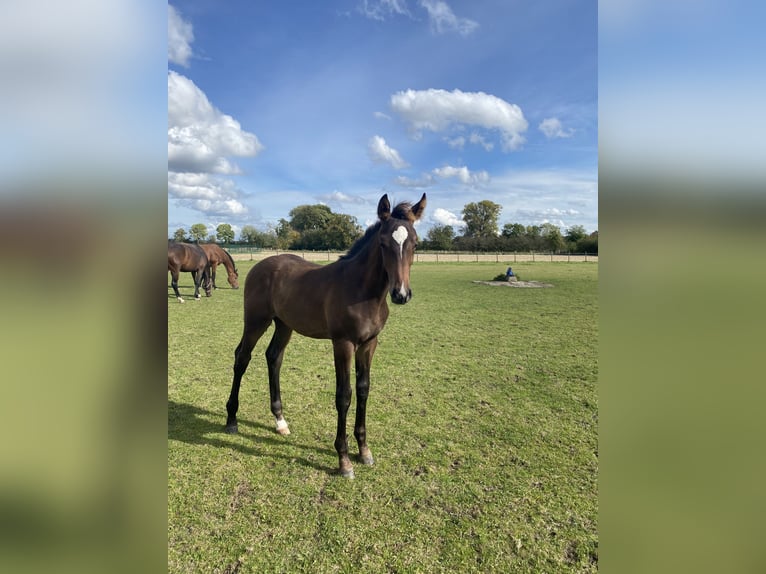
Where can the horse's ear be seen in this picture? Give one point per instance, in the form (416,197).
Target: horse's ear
(384,208)
(419,207)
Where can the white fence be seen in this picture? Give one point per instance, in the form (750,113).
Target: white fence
(246,254)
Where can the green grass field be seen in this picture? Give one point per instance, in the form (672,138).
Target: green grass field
(482,418)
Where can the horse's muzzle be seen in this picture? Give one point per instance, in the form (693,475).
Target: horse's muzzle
(401,296)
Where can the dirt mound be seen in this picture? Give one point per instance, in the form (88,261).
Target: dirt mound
(520,284)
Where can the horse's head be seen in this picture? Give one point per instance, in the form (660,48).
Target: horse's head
(234,279)
(397,244)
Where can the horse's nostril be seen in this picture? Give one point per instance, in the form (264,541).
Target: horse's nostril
(399,298)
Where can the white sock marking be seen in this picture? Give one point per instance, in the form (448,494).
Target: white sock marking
(281,424)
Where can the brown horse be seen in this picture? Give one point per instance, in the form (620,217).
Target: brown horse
(188,257)
(344,301)
(215,255)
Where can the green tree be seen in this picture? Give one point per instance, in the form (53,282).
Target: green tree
(588,244)
(440,237)
(308,217)
(285,235)
(265,240)
(180,235)
(198,232)
(513,230)
(253,236)
(552,238)
(481,218)
(532,231)
(248,234)
(224,233)
(575,233)
(341,231)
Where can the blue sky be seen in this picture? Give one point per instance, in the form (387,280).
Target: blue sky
(274,105)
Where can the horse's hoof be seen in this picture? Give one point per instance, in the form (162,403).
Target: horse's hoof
(349,473)
(282,427)
(368,460)
(181,300)
(231,429)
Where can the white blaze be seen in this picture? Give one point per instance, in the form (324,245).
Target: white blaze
(400,236)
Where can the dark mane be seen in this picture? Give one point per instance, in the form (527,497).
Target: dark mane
(402,210)
(362,242)
(234,265)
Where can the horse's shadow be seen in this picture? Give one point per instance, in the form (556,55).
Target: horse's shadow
(192,425)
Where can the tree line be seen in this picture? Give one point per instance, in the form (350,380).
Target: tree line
(318,228)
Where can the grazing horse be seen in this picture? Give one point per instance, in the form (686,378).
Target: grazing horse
(344,301)
(215,255)
(188,257)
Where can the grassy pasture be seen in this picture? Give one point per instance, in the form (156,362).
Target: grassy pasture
(482,419)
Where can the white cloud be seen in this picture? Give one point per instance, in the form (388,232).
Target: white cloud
(426,180)
(381,116)
(545,214)
(200,137)
(479,140)
(180,37)
(380,152)
(476,139)
(462,174)
(381,9)
(439,110)
(443,19)
(340,197)
(552,128)
(455,143)
(205,193)
(444,217)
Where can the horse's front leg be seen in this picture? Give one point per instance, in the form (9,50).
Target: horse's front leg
(363,361)
(174,284)
(343,351)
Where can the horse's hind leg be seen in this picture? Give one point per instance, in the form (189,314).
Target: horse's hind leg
(363,360)
(274,355)
(205,282)
(242,356)
(197,278)
(212,274)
